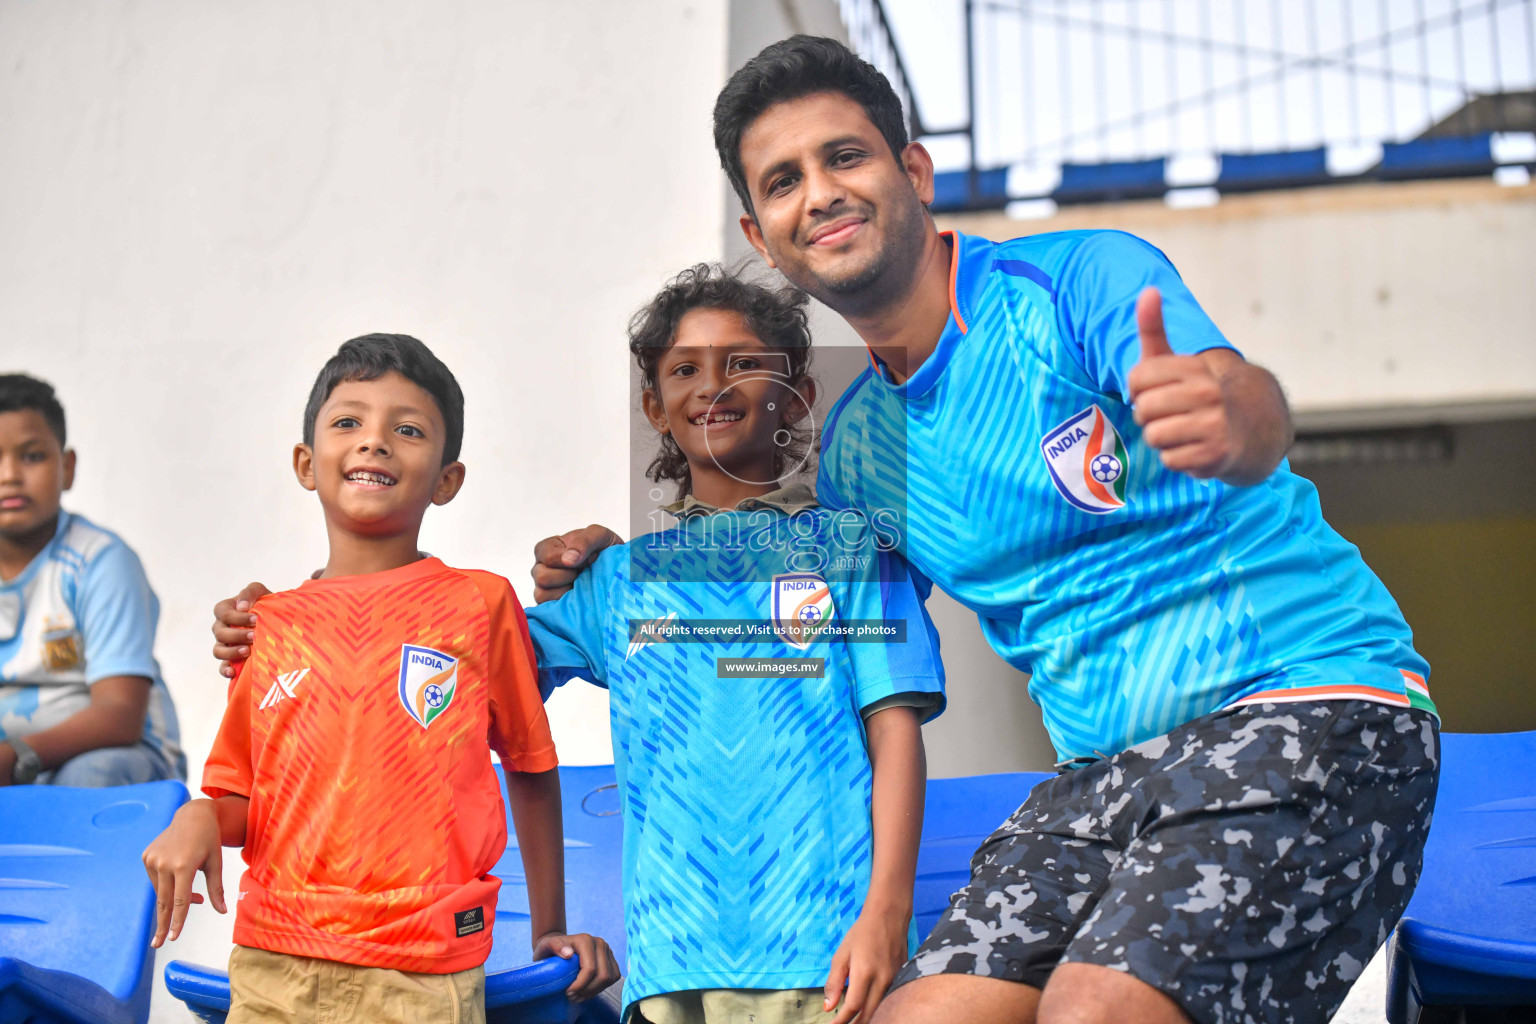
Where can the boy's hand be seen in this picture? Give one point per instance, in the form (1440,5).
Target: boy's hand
(234,627)
(598,967)
(191,843)
(872,952)
(557,561)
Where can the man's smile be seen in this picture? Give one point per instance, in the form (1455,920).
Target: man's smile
(837,232)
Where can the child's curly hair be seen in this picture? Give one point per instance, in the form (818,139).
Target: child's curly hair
(776,315)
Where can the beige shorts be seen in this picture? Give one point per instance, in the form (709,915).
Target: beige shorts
(276,988)
(736,1006)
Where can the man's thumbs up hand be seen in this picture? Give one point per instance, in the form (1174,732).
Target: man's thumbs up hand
(1149,324)
(1178,400)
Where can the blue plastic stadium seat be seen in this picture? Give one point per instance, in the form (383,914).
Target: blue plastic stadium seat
(958,815)
(530,994)
(76,907)
(1469,935)
(1097,183)
(1449,157)
(1250,172)
(516,991)
(952,190)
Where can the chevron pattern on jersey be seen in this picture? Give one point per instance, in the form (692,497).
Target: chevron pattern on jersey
(747,840)
(367,830)
(1186,599)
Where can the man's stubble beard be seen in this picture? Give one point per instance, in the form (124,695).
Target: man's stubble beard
(882,282)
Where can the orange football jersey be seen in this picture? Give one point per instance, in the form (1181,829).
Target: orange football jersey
(358,727)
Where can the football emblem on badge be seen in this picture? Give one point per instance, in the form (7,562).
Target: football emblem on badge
(428,681)
(802,607)
(1086,459)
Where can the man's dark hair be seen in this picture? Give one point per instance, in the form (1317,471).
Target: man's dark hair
(371,357)
(19,392)
(776,315)
(792,68)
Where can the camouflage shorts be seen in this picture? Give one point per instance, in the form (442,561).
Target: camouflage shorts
(1248,864)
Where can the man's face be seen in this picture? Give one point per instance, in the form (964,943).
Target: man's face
(35,471)
(377,458)
(836,212)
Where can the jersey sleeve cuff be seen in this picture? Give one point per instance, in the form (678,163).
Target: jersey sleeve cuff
(531,761)
(95,672)
(929,702)
(219,782)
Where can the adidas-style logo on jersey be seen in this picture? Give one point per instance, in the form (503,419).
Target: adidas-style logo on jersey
(643,634)
(802,607)
(428,681)
(283,687)
(1087,461)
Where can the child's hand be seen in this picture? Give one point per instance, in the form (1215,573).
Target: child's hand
(191,843)
(872,952)
(234,627)
(598,967)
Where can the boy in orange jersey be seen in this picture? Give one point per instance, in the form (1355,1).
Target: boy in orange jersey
(352,763)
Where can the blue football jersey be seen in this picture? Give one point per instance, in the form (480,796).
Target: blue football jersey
(81,611)
(746,796)
(1137,597)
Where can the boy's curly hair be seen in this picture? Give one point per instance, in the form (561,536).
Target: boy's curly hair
(776,315)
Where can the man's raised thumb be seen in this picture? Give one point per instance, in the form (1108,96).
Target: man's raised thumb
(1149,324)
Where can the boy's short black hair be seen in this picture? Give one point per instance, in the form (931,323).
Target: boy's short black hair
(19,392)
(776,315)
(372,356)
(792,68)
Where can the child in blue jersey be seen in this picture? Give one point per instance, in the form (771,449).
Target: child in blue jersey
(772,811)
(81,699)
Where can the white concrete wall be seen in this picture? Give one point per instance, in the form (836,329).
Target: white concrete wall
(199,202)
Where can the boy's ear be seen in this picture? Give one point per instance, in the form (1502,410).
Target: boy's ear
(798,411)
(448,483)
(69,469)
(655,412)
(304,466)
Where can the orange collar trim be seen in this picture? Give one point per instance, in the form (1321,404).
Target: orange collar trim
(954,276)
(954,302)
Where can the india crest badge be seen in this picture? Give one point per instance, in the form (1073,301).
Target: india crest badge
(1087,461)
(802,607)
(428,681)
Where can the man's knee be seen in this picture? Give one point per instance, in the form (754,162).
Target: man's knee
(945,998)
(108,766)
(1088,994)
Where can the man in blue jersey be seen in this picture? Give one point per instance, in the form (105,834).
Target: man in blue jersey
(1249,752)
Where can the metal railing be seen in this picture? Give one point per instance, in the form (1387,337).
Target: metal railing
(1081,100)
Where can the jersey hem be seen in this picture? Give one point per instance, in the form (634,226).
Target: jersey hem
(338,948)
(689,981)
(1341,691)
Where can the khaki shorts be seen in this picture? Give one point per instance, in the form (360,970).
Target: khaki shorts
(736,1006)
(276,988)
